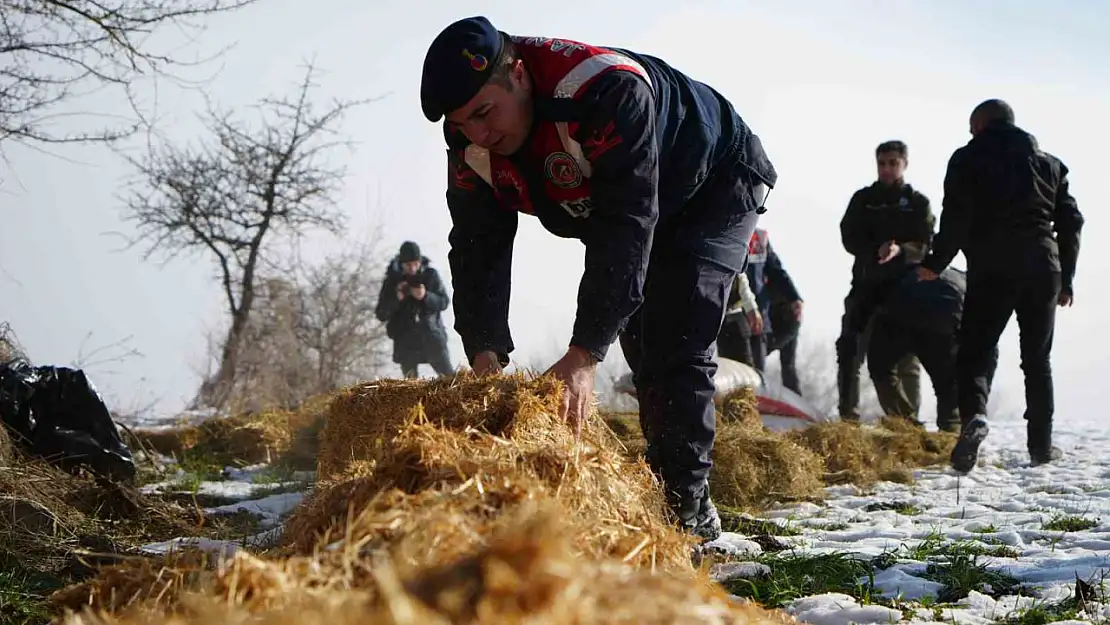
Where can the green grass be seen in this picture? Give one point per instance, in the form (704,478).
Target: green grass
(737,522)
(794,576)
(23,593)
(959,566)
(1069,523)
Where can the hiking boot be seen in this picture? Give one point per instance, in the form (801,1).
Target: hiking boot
(700,518)
(966,452)
(1037,459)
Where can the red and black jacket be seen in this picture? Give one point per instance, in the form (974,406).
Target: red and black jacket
(621,143)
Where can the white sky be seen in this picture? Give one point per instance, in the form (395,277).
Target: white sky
(821,83)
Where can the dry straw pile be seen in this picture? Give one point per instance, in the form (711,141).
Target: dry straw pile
(451,501)
(754,467)
(267,436)
(528,573)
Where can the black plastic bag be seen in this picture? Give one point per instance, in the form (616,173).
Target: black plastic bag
(57,414)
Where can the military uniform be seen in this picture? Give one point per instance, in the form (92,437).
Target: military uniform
(661,180)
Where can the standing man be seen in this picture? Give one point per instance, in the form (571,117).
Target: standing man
(411,300)
(886,224)
(653,171)
(786,320)
(1004,200)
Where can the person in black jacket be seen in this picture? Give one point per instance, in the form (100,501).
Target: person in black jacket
(1008,208)
(411,300)
(886,225)
(920,318)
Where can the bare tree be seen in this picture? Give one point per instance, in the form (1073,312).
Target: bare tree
(52,51)
(234,196)
(312,331)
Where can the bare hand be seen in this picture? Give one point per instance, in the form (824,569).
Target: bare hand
(576,369)
(401,291)
(1066,299)
(419,291)
(925,274)
(487,363)
(887,252)
(755,321)
(796,307)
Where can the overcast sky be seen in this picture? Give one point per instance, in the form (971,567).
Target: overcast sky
(821,82)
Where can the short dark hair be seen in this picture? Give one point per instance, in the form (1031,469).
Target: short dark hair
(893,145)
(994,110)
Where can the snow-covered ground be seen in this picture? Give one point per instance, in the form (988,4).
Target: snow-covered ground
(1001,508)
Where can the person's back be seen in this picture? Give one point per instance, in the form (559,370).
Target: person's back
(1007,206)
(1015,189)
(933,306)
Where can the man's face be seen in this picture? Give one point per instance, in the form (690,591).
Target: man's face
(410,267)
(499,116)
(892,166)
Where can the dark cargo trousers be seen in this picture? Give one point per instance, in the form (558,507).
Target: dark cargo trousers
(892,343)
(988,306)
(670,343)
(852,345)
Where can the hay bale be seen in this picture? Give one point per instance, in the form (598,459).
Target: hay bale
(739,406)
(866,454)
(504,442)
(528,573)
(237,440)
(753,467)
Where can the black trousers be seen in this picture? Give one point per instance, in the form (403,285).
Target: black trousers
(988,306)
(670,346)
(891,343)
(859,308)
(783,338)
(438,358)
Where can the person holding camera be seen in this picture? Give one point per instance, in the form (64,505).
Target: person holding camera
(411,301)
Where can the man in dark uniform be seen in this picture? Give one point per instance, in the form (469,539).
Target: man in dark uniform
(653,171)
(920,318)
(785,314)
(1007,206)
(764,266)
(885,225)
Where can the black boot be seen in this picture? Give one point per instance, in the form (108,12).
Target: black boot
(698,516)
(966,452)
(1053,454)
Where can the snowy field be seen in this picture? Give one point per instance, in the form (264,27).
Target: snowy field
(1023,533)
(1004,544)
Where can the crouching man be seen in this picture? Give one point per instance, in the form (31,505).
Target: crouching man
(922,319)
(653,171)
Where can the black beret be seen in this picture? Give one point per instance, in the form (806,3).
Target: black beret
(459,62)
